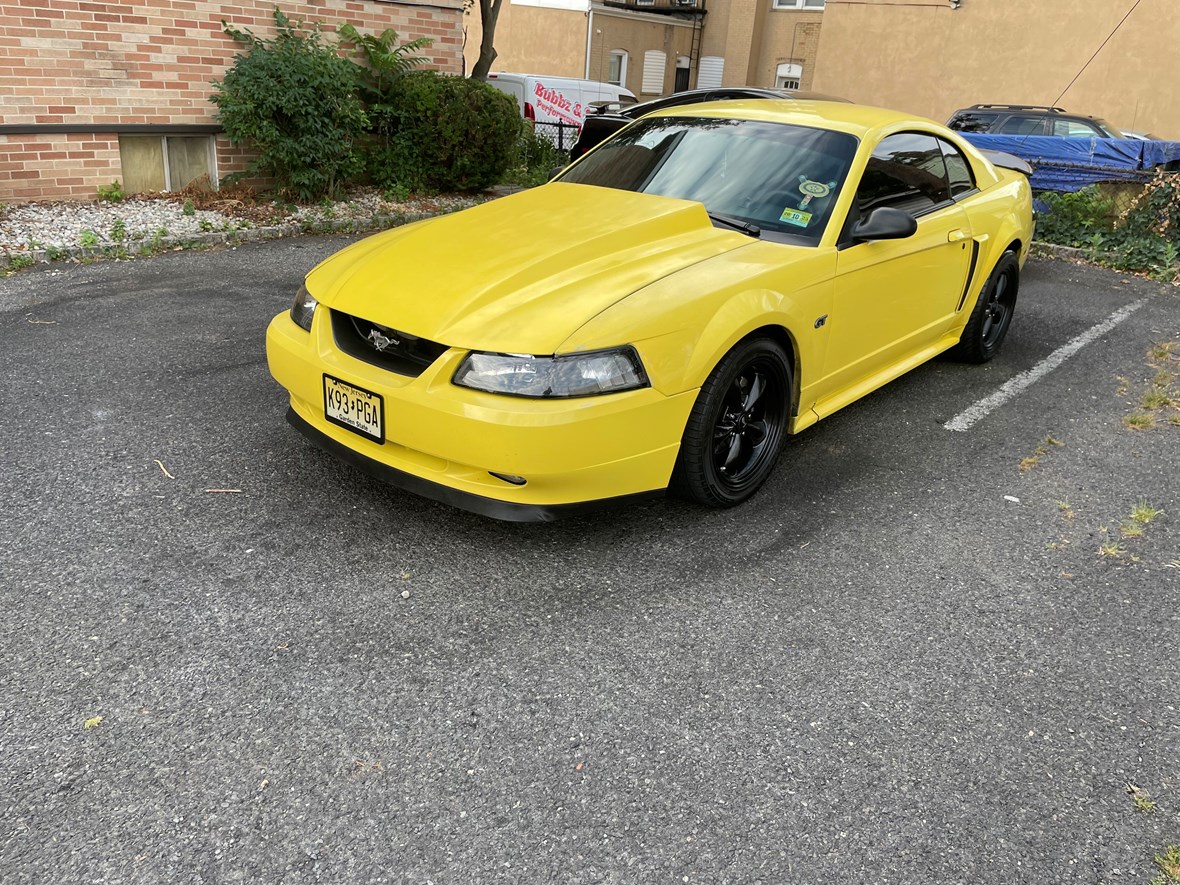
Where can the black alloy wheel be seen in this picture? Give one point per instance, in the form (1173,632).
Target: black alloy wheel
(988,326)
(737,426)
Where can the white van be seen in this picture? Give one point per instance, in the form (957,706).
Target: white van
(557,100)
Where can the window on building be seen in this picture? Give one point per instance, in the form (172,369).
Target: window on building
(166,162)
(654,63)
(618,67)
(711,71)
(788,76)
(798,4)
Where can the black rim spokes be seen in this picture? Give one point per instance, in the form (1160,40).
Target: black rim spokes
(743,427)
(996,310)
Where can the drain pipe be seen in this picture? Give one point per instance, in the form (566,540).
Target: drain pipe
(589,36)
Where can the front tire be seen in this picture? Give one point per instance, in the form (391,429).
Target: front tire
(992,315)
(737,426)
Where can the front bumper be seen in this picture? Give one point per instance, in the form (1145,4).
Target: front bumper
(446,442)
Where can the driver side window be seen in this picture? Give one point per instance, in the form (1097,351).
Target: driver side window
(906,171)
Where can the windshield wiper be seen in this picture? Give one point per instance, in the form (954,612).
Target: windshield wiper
(737,224)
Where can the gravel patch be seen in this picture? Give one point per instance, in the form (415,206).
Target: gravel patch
(138,226)
(66,225)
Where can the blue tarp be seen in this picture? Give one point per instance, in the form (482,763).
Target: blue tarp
(1069,164)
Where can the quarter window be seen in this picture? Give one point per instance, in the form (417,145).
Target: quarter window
(958,170)
(1075,129)
(905,172)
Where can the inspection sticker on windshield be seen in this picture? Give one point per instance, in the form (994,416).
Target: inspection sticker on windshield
(795,217)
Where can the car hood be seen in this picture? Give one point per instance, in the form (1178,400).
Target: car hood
(522,273)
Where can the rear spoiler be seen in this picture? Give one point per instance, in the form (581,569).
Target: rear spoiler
(1008,161)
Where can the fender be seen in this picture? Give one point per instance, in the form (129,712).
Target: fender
(683,324)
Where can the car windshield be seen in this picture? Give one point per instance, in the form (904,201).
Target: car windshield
(780,177)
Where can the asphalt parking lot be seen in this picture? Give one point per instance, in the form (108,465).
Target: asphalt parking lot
(919,655)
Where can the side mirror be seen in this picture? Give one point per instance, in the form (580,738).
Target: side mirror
(885,223)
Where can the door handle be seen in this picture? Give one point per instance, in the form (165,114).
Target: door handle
(957,236)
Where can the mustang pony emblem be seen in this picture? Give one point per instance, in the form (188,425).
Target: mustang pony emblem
(381,341)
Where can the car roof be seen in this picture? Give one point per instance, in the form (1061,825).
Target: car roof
(855,119)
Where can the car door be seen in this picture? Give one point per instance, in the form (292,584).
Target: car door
(896,299)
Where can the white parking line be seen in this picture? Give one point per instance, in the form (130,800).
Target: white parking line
(965,419)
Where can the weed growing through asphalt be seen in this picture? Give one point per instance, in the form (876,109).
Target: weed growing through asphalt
(1133,528)
(1155,399)
(18,262)
(1027,464)
(1112,548)
(1169,866)
(1143,513)
(1066,509)
(1141,799)
(1161,401)
(1139,421)
(1162,350)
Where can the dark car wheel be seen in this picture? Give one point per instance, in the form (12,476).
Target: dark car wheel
(985,331)
(736,427)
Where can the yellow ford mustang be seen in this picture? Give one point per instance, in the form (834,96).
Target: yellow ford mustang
(661,314)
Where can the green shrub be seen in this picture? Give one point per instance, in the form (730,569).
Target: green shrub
(534,157)
(439,132)
(293,100)
(385,60)
(1144,238)
(112,192)
(1073,219)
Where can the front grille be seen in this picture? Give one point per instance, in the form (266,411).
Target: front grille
(401,353)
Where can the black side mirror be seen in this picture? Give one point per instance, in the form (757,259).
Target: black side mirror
(885,223)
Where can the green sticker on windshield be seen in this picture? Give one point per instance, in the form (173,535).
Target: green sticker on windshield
(795,217)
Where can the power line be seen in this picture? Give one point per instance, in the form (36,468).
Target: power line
(1096,51)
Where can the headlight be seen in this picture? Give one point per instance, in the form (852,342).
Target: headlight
(565,375)
(303,309)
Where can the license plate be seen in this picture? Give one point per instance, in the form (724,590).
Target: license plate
(354,408)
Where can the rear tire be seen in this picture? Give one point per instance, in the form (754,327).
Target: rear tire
(988,326)
(737,426)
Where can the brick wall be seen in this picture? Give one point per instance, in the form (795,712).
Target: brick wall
(77,63)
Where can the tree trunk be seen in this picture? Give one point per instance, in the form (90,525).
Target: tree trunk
(489,13)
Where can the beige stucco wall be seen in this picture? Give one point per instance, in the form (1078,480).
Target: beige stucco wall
(531,40)
(925,58)
(754,38)
(787,36)
(750,35)
(637,35)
